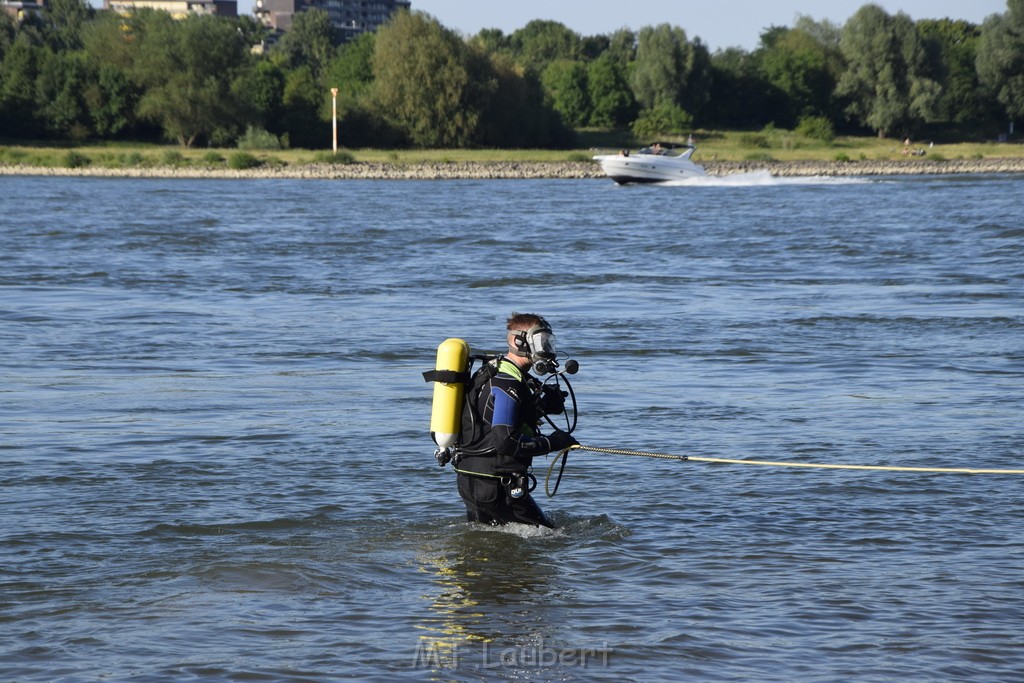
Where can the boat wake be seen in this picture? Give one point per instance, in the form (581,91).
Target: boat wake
(762,179)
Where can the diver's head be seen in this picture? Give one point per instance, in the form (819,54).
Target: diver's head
(530,339)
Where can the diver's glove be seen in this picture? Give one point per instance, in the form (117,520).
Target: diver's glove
(559,440)
(552,400)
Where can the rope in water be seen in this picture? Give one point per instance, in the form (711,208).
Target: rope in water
(776,463)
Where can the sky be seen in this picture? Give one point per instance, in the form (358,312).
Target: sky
(718,23)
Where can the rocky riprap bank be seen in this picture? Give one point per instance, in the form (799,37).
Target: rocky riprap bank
(353,171)
(495,170)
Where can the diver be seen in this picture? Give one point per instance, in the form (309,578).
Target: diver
(494,460)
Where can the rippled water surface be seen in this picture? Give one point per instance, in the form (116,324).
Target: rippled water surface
(214,458)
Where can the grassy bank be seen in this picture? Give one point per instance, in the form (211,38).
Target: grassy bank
(766,145)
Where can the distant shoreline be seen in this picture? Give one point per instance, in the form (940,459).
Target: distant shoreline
(526,170)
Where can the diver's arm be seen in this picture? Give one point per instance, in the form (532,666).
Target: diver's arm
(505,435)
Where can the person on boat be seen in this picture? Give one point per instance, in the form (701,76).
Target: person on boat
(494,466)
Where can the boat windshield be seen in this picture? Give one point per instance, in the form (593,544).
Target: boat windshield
(667,149)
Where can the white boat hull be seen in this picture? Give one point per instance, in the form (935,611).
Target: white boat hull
(639,167)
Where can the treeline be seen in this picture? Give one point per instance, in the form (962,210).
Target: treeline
(77,74)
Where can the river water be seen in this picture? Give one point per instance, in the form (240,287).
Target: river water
(215,461)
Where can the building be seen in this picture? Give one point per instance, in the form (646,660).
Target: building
(179,9)
(349,17)
(19,9)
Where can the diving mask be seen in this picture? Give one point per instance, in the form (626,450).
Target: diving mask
(537,344)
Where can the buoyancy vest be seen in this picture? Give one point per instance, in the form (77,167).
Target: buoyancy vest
(487,449)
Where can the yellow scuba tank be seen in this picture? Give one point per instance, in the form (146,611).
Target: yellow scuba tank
(451,371)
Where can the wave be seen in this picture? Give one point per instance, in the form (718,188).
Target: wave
(763,178)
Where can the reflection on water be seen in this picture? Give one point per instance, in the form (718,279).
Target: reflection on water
(485,579)
(498,600)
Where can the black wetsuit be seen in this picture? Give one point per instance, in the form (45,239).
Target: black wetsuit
(492,467)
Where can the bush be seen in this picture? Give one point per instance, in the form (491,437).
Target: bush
(12,156)
(78,132)
(755,140)
(342,157)
(843,158)
(75,159)
(816,128)
(258,139)
(240,161)
(132,159)
(173,157)
(212,158)
(662,119)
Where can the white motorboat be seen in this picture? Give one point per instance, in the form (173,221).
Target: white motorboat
(658,163)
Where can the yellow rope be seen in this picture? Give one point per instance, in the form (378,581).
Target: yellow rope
(775,463)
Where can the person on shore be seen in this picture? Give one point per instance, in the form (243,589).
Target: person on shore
(494,466)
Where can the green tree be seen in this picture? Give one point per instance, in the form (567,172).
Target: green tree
(63,21)
(8,32)
(424,81)
(252,30)
(493,41)
(260,90)
(611,100)
(311,41)
(112,45)
(187,69)
(303,99)
(825,33)
(886,77)
(660,69)
(351,70)
(622,47)
(592,47)
(798,66)
(740,96)
(663,119)
(18,73)
(110,39)
(670,69)
(1000,60)
(60,94)
(111,101)
(565,82)
(956,45)
(541,42)
(514,114)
